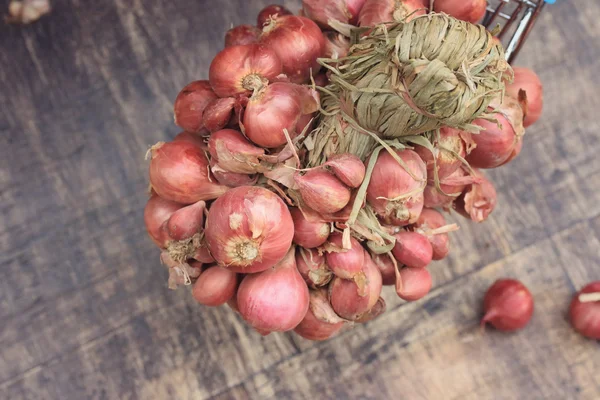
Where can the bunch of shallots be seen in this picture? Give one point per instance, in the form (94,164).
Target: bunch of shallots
(242,211)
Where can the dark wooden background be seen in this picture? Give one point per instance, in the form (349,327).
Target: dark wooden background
(84,308)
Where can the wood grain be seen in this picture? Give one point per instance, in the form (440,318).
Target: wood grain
(84,308)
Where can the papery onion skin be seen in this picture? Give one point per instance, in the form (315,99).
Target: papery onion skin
(416,283)
(412,249)
(344,294)
(215,286)
(231,179)
(323,11)
(277,107)
(449,145)
(390,180)
(240,69)
(309,233)
(157,212)
(233,152)
(508,305)
(375,12)
(312,267)
(386,268)
(452,187)
(249,229)
(527,80)
(322,192)
(467,10)
(378,309)
(179,171)
(336,45)
(269,12)
(440,243)
(320,322)
(478,200)
(196,138)
(276,299)
(242,34)
(298,42)
(585,316)
(190,104)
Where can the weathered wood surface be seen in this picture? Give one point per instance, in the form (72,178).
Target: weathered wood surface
(84,309)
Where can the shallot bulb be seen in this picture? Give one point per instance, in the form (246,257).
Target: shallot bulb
(215,286)
(412,249)
(322,192)
(584,311)
(156,213)
(190,104)
(277,107)
(249,229)
(320,322)
(508,305)
(179,171)
(376,12)
(478,200)
(243,69)
(312,267)
(467,10)
(374,312)
(498,141)
(440,242)
(324,11)
(336,45)
(346,298)
(269,12)
(241,34)
(396,194)
(347,263)
(348,168)
(387,268)
(276,299)
(310,230)
(218,113)
(196,138)
(233,152)
(415,283)
(298,42)
(528,81)
(448,147)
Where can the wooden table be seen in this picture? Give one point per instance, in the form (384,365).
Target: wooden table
(84,308)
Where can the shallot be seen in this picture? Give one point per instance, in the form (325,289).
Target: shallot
(347,263)
(376,12)
(312,267)
(233,152)
(479,199)
(325,11)
(215,286)
(249,229)
(179,171)
(348,168)
(440,242)
(241,34)
(190,104)
(310,230)
(415,283)
(276,299)
(322,191)
(467,10)
(336,45)
(508,305)
(269,12)
(412,249)
(320,322)
(584,311)
(528,81)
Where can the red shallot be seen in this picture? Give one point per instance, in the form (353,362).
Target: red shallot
(270,12)
(467,10)
(190,104)
(479,199)
(324,11)
(218,113)
(310,230)
(415,283)
(276,299)
(156,213)
(347,263)
(233,152)
(528,81)
(395,193)
(321,191)
(249,229)
(215,286)
(440,242)
(241,34)
(277,107)
(584,311)
(412,249)
(298,42)
(375,12)
(243,69)
(179,171)
(449,147)
(508,305)
(336,45)
(348,168)
(231,179)
(387,268)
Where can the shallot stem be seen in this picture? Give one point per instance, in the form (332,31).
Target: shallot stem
(589,297)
